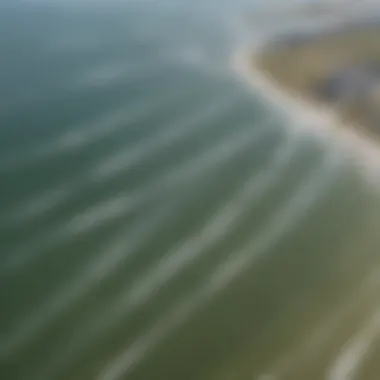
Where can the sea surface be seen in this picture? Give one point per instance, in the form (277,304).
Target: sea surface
(160,220)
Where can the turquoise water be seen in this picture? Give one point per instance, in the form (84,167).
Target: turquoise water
(158,219)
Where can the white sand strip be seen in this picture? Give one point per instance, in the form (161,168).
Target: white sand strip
(323,123)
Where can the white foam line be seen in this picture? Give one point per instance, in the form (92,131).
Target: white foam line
(309,347)
(52,198)
(106,74)
(203,163)
(110,262)
(308,118)
(128,301)
(39,205)
(100,214)
(110,73)
(90,132)
(126,158)
(225,274)
(76,138)
(177,260)
(26,252)
(181,175)
(353,354)
(111,256)
(200,165)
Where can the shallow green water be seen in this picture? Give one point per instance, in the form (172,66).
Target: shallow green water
(158,219)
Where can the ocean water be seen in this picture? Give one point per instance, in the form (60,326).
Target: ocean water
(159,218)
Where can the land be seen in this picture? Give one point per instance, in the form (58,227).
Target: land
(337,70)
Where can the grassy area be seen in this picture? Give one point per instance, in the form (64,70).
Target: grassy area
(300,67)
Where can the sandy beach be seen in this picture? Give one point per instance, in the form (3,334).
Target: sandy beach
(342,345)
(307,117)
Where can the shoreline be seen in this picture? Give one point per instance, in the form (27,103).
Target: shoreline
(306,116)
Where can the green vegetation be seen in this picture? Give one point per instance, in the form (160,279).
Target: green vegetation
(300,67)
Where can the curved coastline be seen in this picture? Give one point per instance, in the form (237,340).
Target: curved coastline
(306,116)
